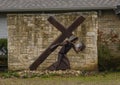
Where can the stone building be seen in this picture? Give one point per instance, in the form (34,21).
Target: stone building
(24,23)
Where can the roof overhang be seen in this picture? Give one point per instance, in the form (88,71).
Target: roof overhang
(57,9)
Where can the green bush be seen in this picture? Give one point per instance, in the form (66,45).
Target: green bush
(103,57)
(3,58)
(106,60)
(3,42)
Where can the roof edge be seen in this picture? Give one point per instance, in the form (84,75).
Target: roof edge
(57,9)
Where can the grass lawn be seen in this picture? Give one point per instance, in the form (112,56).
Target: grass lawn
(97,79)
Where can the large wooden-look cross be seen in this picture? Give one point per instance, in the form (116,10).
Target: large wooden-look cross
(65,33)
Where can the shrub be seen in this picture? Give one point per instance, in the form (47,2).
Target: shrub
(106,60)
(103,57)
(3,42)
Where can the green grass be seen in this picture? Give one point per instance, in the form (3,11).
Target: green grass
(112,78)
(88,78)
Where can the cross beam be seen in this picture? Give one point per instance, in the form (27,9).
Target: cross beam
(65,33)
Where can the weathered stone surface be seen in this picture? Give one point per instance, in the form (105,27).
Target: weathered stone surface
(109,28)
(30,34)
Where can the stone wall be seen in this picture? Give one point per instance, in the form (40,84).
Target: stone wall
(31,34)
(109,40)
(109,30)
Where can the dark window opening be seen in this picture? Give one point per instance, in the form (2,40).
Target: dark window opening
(3,43)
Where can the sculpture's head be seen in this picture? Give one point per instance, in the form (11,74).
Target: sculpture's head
(80,46)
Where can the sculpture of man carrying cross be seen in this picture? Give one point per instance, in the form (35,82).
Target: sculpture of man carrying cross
(66,32)
(63,62)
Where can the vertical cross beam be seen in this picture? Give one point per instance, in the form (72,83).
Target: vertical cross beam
(65,33)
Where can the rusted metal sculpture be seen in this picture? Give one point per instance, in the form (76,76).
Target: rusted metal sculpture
(62,62)
(65,33)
